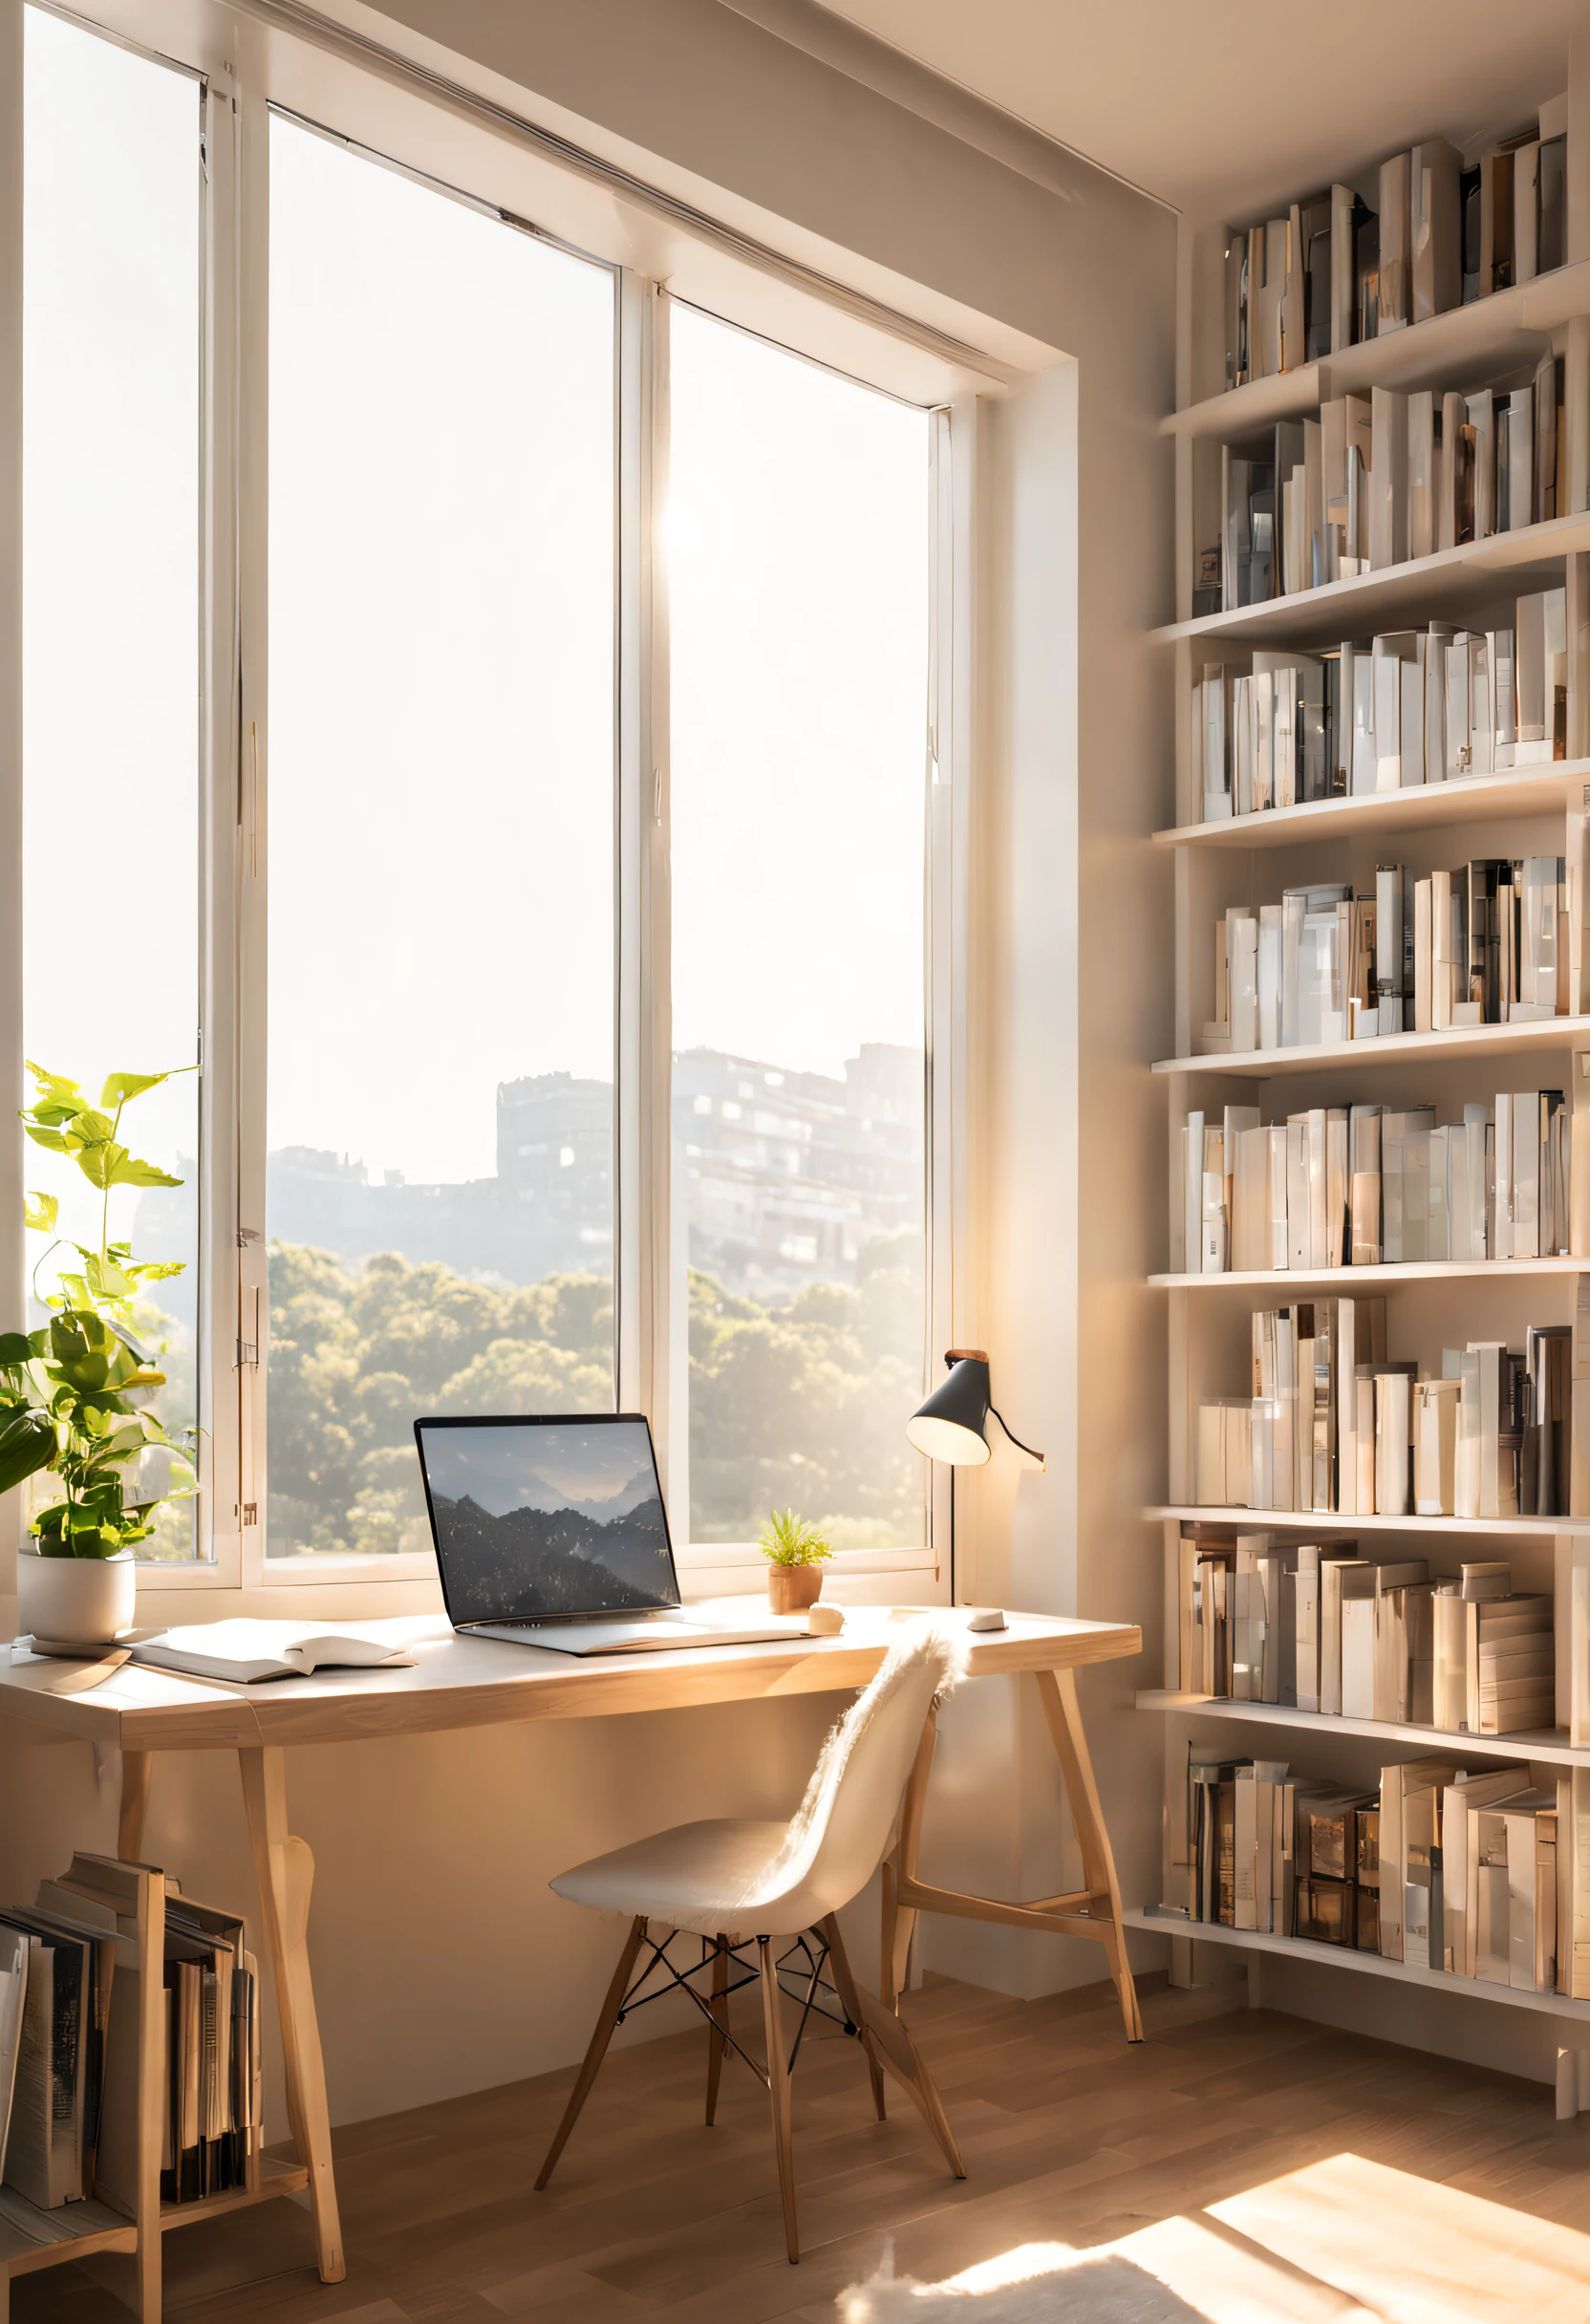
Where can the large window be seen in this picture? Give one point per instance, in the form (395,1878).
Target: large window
(442,792)
(111,451)
(798,533)
(370,781)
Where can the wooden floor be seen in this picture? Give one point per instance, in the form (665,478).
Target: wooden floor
(1258,2165)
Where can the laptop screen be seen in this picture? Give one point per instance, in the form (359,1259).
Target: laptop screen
(536,1518)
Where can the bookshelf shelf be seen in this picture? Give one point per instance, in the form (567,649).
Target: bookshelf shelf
(1553,1747)
(31,2239)
(1532,790)
(1464,1041)
(1417,589)
(1504,329)
(1318,1523)
(1368,1278)
(275,2179)
(1344,1957)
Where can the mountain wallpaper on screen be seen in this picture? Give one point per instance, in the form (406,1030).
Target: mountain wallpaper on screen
(563,1560)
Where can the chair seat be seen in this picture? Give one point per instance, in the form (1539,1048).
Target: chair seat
(695,1876)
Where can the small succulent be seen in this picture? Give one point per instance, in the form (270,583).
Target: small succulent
(787,1540)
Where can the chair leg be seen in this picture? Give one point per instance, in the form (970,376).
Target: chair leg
(778,2091)
(599,2050)
(851,2003)
(900,2054)
(717,2043)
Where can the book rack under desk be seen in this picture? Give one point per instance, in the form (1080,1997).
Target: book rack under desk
(1347,1956)
(1550,1745)
(1543,790)
(1544,1036)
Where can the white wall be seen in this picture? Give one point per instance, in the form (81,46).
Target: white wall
(1069,982)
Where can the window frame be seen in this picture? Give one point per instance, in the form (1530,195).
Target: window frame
(244,70)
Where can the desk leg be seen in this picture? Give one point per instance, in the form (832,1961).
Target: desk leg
(136,1766)
(284,1873)
(1057,1692)
(899,1920)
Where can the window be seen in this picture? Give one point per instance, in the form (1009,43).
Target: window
(798,538)
(442,795)
(350,736)
(111,738)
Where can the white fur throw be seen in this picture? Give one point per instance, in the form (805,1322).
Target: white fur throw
(927,1647)
(1038,2284)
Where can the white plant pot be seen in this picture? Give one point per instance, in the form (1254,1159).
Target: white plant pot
(85,1601)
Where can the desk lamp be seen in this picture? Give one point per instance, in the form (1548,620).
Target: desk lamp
(952,1426)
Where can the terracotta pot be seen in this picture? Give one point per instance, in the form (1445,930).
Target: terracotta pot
(85,1601)
(792,1588)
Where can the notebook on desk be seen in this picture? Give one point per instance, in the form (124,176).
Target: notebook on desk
(552,1532)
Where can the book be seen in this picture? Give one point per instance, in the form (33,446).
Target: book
(14,1950)
(1399,1784)
(248,1652)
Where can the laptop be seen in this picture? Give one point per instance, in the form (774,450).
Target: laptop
(551,1532)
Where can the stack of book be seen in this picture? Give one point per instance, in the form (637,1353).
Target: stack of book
(1329,1630)
(1366,1185)
(1334,1427)
(1281,1856)
(1496,941)
(69,2044)
(1383,714)
(1334,270)
(1469,1874)
(1380,479)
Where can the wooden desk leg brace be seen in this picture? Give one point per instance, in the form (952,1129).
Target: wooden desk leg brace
(284,1874)
(1093,1912)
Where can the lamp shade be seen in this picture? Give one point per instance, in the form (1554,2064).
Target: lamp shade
(950,1426)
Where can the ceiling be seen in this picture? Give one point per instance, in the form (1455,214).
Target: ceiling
(1224,105)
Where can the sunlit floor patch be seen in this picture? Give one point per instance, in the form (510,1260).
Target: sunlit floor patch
(1345,2241)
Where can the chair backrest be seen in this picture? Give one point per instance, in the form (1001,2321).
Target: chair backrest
(838,1835)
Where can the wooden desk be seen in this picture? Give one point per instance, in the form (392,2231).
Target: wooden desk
(467,1682)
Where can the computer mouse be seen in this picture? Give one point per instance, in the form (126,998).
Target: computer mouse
(987,1618)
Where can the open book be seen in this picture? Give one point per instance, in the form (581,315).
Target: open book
(246,1651)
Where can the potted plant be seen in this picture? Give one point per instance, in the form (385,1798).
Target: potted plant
(74,1394)
(796,1555)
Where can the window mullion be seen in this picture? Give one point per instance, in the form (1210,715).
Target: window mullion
(241,1361)
(644,1045)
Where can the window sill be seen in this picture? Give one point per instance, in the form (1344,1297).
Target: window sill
(354,1589)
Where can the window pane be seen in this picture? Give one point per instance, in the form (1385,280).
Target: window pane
(111,350)
(441,835)
(798,579)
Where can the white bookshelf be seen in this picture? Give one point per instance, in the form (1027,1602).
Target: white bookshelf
(1248,860)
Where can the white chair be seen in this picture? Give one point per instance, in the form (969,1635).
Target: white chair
(734,1881)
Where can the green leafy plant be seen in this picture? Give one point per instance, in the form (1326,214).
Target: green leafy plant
(787,1540)
(74,1394)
